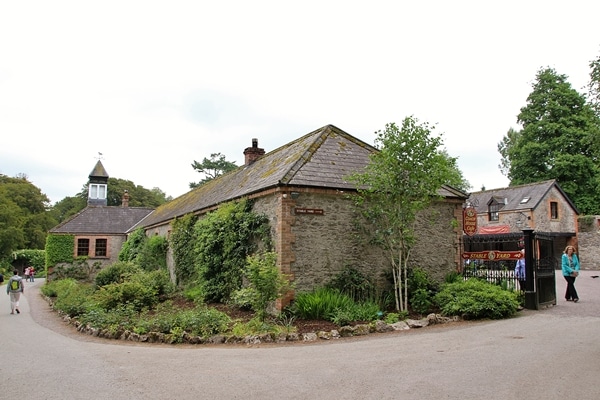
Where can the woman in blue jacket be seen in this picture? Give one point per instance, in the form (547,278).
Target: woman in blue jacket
(570,270)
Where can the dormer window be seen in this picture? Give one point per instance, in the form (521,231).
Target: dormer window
(494,211)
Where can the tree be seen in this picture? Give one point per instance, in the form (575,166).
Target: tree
(594,86)
(556,142)
(212,168)
(23,217)
(512,136)
(399,182)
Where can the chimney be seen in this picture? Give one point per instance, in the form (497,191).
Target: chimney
(253,153)
(125,200)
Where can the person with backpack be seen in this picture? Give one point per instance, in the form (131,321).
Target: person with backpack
(14,289)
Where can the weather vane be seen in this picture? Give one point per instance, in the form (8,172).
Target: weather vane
(99,156)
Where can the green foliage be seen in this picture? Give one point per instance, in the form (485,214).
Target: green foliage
(116,273)
(24,221)
(148,252)
(364,311)
(559,140)
(133,246)
(59,249)
(223,240)
(266,283)
(257,326)
(400,181)
(212,168)
(67,207)
(321,303)
(35,258)
(353,283)
(72,298)
(476,299)
(421,290)
(141,291)
(181,242)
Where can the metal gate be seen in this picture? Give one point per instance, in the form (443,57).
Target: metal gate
(540,264)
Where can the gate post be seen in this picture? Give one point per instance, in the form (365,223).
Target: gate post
(530,295)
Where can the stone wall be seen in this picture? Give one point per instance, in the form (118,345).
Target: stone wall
(589,242)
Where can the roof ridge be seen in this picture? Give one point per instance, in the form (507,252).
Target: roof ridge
(310,151)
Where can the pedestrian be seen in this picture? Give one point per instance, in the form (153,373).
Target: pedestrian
(31,273)
(27,274)
(14,288)
(520,270)
(570,270)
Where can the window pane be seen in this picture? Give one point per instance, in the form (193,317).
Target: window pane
(101,247)
(83,247)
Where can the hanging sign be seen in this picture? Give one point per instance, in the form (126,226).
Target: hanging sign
(492,255)
(470,220)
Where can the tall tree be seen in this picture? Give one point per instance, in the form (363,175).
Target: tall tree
(23,217)
(556,142)
(212,168)
(512,136)
(594,85)
(399,182)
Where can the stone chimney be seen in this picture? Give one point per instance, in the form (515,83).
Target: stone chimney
(125,200)
(253,153)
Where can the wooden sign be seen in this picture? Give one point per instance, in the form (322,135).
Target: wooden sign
(469,221)
(309,211)
(492,255)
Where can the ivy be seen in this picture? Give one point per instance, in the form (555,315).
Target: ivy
(59,249)
(181,242)
(224,238)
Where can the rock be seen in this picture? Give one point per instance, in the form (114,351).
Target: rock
(381,326)
(400,326)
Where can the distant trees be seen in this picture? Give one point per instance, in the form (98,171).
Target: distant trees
(212,168)
(24,220)
(558,141)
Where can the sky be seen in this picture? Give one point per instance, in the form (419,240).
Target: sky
(153,86)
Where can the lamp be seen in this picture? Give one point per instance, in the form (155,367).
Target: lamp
(295,195)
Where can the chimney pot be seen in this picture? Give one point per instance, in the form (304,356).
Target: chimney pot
(253,153)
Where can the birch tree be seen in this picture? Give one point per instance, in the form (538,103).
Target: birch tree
(401,180)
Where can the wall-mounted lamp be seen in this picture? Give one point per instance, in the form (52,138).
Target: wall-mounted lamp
(295,195)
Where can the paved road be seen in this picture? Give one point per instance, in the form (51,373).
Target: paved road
(548,354)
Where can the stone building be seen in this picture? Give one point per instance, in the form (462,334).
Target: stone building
(541,206)
(99,230)
(302,188)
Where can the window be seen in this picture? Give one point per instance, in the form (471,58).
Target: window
(83,247)
(553,210)
(97,191)
(493,212)
(101,246)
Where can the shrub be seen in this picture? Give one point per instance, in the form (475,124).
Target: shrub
(266,283)
(354,284)
(321,303)
(73,298)
(116,273)
(421,290)
(476,299)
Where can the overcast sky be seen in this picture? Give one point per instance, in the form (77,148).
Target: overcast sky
(155,85)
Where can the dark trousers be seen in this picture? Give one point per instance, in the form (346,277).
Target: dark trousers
(571,293)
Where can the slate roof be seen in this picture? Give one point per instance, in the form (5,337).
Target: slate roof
(113,220)
(514,196)
(322,158)
(99,171)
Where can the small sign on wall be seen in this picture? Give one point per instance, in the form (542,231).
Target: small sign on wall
(308,211)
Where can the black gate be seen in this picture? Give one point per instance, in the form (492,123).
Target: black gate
(543,292)
(540,264)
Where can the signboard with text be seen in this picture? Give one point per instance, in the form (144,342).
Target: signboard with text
(470,220)
(492,255)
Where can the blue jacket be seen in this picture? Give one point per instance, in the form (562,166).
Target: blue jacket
(520,269)
(568,268)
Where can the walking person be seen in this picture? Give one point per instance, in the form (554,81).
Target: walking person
(27,274)
(570,270)
(520,270)
(14,288)
(31,273)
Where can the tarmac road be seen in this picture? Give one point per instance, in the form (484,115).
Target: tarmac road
(552,353)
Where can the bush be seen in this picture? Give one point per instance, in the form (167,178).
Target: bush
(116,273)
(72,298)
(354,284)
(476,299)
(421,290)
(321,303)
